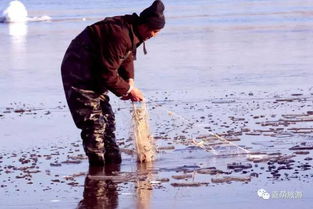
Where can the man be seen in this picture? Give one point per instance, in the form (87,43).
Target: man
(98,60)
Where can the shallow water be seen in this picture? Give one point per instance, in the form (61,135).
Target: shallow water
(221,65)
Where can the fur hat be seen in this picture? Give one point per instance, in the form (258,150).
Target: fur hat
(153,16)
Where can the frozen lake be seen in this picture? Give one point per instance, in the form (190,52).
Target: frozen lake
(228,65)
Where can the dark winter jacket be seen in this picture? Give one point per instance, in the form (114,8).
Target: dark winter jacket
(101,57)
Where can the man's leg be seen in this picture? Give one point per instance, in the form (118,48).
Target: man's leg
(87,114)
(112,153)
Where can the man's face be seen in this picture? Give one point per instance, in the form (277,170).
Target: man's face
(147,33)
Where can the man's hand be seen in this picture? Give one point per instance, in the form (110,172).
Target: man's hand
(135,95)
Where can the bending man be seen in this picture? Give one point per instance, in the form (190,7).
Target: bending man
(98,60)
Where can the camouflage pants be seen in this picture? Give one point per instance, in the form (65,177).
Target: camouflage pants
(92,113)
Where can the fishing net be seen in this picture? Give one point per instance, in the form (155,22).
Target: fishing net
(183,131)
(143,139)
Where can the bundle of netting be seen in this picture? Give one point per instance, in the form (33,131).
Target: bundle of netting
(143,138)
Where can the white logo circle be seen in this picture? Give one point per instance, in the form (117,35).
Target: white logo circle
(263,194)
(266,196)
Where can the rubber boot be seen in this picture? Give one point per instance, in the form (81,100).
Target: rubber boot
(96,160)
(112,153)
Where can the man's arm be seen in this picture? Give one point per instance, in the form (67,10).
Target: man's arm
(112,53)
(126,70)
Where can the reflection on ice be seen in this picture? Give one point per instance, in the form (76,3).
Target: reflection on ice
(100,193)
(101,188)
(144,186)
(18,31)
